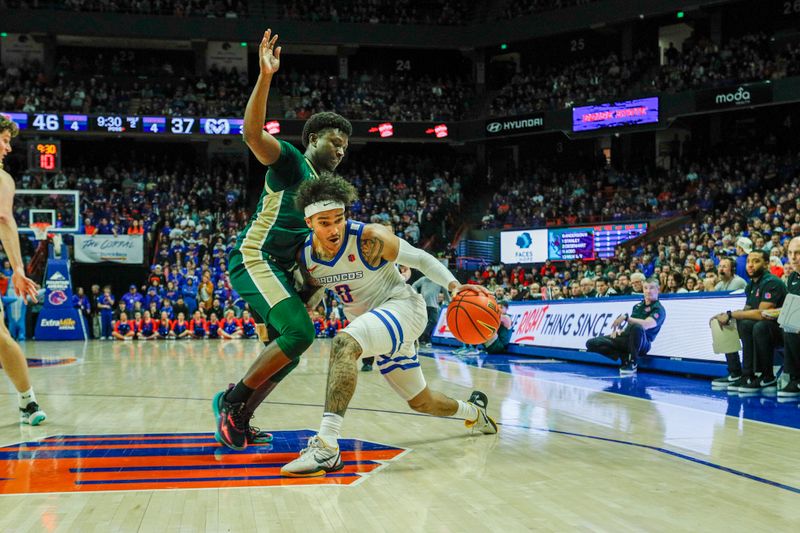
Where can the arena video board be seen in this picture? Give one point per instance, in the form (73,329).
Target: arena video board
(615,114)
(567,243)
(568,324)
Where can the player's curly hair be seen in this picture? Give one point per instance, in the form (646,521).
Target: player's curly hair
(6,124)
(323,121)
(329,187)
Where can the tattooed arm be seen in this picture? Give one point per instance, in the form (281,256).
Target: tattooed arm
(379,243)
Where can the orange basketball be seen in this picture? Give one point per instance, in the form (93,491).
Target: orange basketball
(473,318)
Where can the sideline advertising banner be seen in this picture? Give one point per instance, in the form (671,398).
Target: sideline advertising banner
(125,249)
(568,324)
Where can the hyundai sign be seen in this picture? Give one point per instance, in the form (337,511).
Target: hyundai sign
(514,125)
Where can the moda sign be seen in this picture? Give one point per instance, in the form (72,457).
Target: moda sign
(514,125)
(737,96)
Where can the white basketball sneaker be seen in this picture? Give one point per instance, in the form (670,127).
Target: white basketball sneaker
(317,459)
(484,423)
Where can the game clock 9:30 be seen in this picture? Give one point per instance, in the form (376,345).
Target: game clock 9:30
(44,156)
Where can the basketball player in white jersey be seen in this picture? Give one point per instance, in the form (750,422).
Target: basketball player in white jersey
(11,356)
(357,262)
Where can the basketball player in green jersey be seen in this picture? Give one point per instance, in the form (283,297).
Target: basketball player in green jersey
(11,356)
(261,264)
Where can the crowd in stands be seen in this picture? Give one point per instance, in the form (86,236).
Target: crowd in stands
(536,195)
(435,12)
(175,8)
(134,82)
(745,203)
(700,64)
(112,83)
(106,85)
(431,12)
(703,63)
(539,87)
(519,8)
(373,95)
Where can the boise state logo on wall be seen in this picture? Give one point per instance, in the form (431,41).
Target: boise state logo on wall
(170,461)
(57,298)
(524,240)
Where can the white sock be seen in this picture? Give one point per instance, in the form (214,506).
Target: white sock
(330,428)
(467,411)
(26,397)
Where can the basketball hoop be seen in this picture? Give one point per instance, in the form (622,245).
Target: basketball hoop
(40,230)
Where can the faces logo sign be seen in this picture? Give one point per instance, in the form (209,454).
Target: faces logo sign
(523,246)
(524,240)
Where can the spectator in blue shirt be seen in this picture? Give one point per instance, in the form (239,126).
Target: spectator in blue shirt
(189,293)
(105,227)
(131,297)
(152,296)
(743,247)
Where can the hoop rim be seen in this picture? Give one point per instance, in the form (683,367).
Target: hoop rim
(40,230)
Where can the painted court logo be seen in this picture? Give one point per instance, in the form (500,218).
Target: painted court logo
(171,461)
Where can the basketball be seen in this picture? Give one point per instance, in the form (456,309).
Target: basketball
(473,318)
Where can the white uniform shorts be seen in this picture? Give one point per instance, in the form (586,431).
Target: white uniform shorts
(390,332)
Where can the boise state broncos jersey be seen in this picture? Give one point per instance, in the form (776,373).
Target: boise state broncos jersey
(359,286)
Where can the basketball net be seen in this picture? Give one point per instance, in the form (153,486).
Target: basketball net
(40,234)
(40,230)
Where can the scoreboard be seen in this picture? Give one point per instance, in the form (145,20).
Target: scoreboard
(566,244)
(45,122)
(585,243)
(119,124)
(608,236)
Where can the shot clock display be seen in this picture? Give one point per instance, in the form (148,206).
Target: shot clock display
(44,156)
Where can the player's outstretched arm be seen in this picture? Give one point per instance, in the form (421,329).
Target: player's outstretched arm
(377,243)
(264,146)
(9,236)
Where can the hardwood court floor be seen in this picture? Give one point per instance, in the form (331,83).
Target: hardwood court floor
(130,427)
